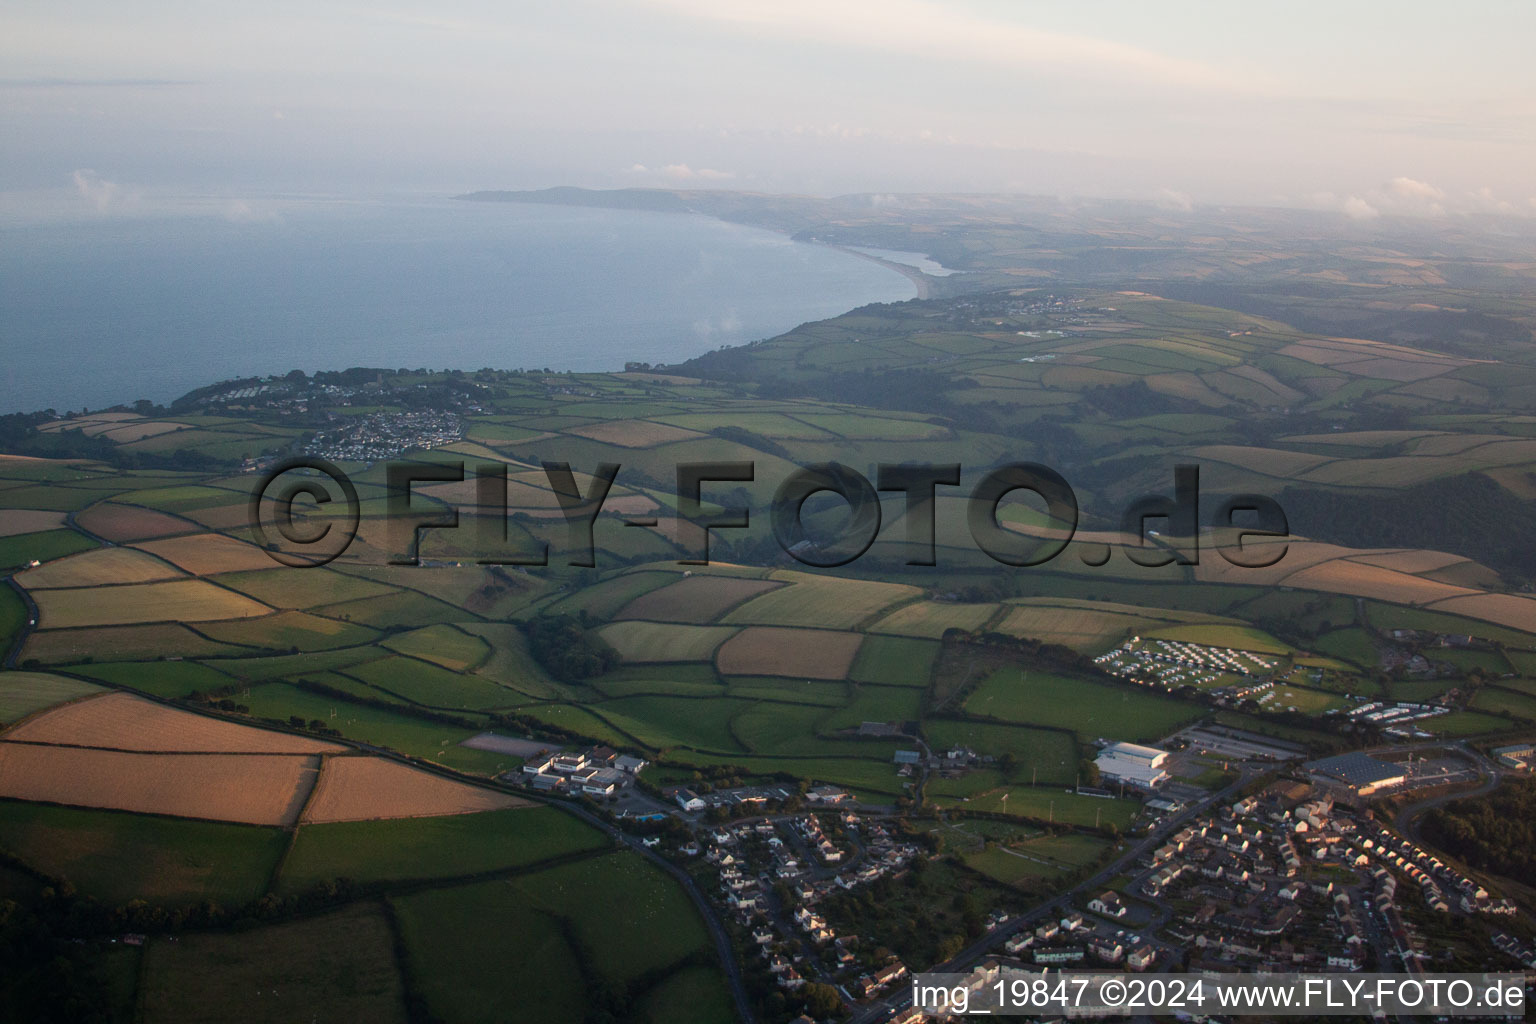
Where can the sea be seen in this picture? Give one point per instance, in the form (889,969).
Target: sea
(115,305)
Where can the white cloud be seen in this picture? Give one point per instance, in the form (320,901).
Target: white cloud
(1356,208)
(103,194)
(1171,199)
(1408,188)
(682,172)
(679,172)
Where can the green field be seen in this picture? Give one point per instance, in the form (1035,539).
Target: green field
(1352,644)
(290,630)
(442,645)
(161,678)
(22,693)
(605,599)
(896,661)
(117,857)
(22,548)
(1043,803)
(1090,709)
(825,602)
(694,994)
(662,722)
(301,588)
(1243,638)
(399,731)
(480,954)
(664,642)
(1029,863)
(424,683)
(335,967)
(449,846)
(123,643)
(1042,755)
(534,947)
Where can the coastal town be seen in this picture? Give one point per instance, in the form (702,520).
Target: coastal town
(1290,868)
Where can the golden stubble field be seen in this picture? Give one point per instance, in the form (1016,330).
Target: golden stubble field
(256,789)
(121,721)
(366,788)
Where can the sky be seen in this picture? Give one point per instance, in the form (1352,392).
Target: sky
(1369,109)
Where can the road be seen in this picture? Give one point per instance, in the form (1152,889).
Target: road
(1406,821)
(13,656)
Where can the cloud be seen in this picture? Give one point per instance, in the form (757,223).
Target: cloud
(925,29)
(680,172)
(1170,199)
(238,211)
(100,193)
(1412,190)
(1356,208)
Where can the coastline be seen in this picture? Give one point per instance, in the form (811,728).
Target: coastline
(922,281)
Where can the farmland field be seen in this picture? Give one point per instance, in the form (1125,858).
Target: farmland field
(290,629)
(660,722)
(127,523)
(22,693)
(827,602)
(796,653)
(99,567)
(118,857)
(606,598)
(336,967)
(302,588)
(932,618)
(663,642)
(120,721)
(524,969)
(422,682)
(57,646)
(28,520)
(161,678)
(445,846)
(895,661)
(443,645)
(365,788)
(256,789)
(696,599)
(399,731)
(693,993)
(203,554)
(172,601)
(22,549)
(1090,709)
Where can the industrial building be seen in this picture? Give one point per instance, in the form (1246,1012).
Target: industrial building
(1358,774)
(1131,764)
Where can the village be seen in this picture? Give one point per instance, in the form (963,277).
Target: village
(1297,876)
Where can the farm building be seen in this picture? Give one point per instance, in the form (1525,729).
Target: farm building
(1132,764)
